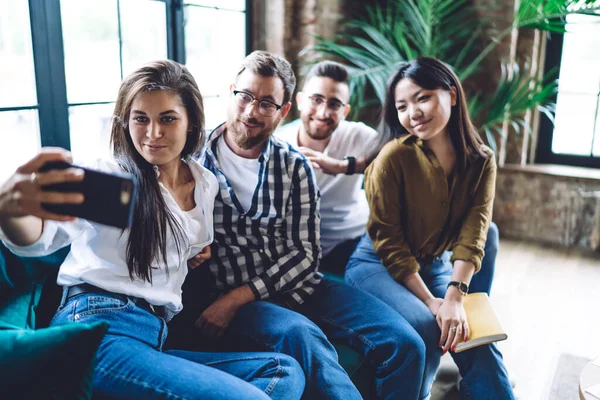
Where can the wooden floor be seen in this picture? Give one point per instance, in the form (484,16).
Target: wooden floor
(548,300)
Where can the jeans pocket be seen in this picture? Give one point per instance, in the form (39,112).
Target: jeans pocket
(102,304)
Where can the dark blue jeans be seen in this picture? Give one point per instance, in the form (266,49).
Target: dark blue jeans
(482,368)
(132,365)
(339,312)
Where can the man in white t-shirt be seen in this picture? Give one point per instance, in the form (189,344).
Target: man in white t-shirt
(339,151)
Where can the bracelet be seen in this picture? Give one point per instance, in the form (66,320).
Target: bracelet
(351,165)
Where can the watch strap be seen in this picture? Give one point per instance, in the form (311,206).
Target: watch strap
(351,165)
(462,287)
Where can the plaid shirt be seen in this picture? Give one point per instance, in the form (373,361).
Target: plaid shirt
(274,247)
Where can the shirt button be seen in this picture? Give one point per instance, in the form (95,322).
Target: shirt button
(444,203)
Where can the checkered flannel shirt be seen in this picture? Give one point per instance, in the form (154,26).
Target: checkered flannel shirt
(274,247)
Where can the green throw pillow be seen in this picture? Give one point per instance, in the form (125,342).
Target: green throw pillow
(51,363)
(23,283)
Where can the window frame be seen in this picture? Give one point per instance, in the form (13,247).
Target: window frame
(544,154)
(49,63)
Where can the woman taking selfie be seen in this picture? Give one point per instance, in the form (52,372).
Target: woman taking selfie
(132,278)
(430,192)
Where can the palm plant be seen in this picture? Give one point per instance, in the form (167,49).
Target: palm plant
(451,30)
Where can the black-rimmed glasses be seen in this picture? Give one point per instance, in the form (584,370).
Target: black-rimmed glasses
(265,107)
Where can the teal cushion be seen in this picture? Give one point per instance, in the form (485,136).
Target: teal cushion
(17,310)
(21,282)
(357,367)
(50,363)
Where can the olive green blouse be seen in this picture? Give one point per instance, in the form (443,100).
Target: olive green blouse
(416,211)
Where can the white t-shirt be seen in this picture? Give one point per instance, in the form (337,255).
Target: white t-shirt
(344,207)
(98,252)
(242,173)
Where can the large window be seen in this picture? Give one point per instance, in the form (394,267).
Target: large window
(19,120)
(214,47)
(575,136)
(63,61)
(104,41)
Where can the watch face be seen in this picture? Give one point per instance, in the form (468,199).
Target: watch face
(463,287)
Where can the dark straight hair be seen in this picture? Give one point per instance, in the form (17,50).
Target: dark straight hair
(152,218)
(328,69)
(430,73)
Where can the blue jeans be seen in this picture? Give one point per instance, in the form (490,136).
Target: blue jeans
(482,281)
(482,368)
(339,312)
(132,365)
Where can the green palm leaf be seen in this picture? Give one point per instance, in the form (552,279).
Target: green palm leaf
(512,98)
(373,47)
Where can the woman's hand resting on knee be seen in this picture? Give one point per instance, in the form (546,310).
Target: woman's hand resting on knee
(452,320)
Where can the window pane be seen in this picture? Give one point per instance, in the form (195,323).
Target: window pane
(215,45)
(144,33)
(574,124)
(91,43)
(215,111)
(226,4)
(597,140)
(580,60)
(17,76)
(21,130)
(90,131)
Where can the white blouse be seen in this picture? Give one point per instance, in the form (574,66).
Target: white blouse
(98,252)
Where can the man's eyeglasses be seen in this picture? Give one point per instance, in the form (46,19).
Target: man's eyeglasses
(266,108)
(333,104)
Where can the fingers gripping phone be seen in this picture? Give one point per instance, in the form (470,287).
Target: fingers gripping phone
(108,198)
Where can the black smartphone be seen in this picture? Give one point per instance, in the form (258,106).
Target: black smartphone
(109,197)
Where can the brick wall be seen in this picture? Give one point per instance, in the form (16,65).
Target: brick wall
(548,208)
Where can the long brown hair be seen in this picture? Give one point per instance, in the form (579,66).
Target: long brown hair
(152,218)
(431,74)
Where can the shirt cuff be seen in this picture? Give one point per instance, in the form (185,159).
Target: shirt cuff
(400,270)
(465,253)
(259,288)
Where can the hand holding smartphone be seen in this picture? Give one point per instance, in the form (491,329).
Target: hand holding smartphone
(109,198)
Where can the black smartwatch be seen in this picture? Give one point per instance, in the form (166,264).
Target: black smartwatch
(462,287)
(351,165)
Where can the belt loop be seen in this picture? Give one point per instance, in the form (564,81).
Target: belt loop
(63,299)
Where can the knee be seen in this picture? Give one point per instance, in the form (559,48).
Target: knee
(429,332)
(302,335)
(414,349)
(404,346)
(493,239)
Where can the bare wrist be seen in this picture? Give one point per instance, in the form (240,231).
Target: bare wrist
(428,300)
(241,296)
(343,166)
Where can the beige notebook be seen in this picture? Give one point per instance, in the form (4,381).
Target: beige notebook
(483,323)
